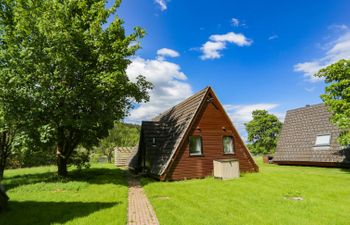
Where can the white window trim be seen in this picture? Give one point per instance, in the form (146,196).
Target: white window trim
(232,143)
(323,144)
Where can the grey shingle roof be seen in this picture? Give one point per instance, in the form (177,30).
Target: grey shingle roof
(169,129)
(298,136)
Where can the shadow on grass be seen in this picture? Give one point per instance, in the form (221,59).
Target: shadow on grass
(145,180)
(92,176)
(345,169)
(46,213)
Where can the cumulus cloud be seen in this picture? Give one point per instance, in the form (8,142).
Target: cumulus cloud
(231,37)
(334,51)
(211,50)
(170,86)
(241,114)
(166,52)
(162,4)
(217,42)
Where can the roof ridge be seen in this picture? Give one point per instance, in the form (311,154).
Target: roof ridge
(180,103)
(306,107)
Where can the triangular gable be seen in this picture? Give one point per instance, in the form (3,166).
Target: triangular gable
(208,94)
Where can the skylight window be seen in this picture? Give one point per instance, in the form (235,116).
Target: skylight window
(323,140)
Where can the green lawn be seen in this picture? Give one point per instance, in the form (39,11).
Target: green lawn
(259,198)
(97,196)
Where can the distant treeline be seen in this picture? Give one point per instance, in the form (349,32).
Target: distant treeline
(122,134)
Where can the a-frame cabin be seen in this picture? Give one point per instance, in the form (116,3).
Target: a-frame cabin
(309,138)
(182,142)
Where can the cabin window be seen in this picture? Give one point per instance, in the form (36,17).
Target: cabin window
(323,140)
(228,144)
(195,145)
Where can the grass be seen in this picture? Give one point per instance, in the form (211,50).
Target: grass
(277,195)
(269,197)
(93,196)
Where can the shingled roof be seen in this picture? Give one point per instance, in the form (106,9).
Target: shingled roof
(169,127)
(296,144)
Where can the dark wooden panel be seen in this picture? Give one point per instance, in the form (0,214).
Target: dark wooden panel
(212,125)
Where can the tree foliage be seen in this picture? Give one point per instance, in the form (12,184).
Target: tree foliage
(337,96)
(62,70)
(121,135)
(263,131)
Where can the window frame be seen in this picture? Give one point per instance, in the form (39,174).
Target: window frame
(189,149)
(323,145)
(233,145)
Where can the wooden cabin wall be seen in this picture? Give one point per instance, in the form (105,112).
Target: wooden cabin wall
(212,125)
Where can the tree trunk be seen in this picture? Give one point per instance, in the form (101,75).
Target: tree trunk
(66,143)
(4,146)
(3,158)
(2,168)
(62,166)
(109,159)
(110,155)
(61,162)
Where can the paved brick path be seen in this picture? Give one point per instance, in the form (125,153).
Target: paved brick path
(140,211)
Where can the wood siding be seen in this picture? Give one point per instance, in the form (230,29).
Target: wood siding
(212,125)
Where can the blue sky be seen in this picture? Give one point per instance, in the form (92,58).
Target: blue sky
(255,54)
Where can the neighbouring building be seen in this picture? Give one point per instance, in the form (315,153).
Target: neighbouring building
(309,138)
(123,155)
(183,142)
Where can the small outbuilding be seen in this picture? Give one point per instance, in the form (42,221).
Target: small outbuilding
(309,138)
(184,141)
(123,155)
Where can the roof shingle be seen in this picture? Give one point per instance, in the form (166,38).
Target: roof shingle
(169,129)
(298,136)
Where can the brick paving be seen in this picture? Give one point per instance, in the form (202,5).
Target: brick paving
(140,210)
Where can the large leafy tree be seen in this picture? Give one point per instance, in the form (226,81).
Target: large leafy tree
(122,135)
(337,96)
(263,131)
(62,70)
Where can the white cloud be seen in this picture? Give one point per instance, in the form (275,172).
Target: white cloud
(164,52)
(272,37)
(170,86)
(211,50)
(235,22)
(310,89)
(338,27)
(217,42)
(241,114)
(309,69)
(162,4)
(335,50)
(231,37)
